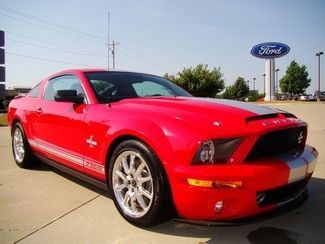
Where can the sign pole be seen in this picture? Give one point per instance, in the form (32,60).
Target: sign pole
(269,79)
(269,51)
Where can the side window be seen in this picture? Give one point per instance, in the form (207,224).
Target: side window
(34,91)
(104,89)
(67,82)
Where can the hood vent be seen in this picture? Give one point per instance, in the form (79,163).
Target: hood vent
(260,117)
(269,116)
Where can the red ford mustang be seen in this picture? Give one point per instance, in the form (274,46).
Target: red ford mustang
(160,151)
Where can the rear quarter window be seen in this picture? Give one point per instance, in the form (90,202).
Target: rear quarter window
(34,92)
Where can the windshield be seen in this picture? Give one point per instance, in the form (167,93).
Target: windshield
(113,86)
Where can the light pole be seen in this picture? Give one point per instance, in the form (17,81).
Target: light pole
(264,82)
(254,83)
(318,55)
(276,80)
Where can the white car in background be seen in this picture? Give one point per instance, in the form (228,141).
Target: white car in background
(308,97)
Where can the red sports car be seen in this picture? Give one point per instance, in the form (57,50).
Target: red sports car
(160,151)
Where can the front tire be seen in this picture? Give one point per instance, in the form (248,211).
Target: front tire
(138,184)
(20,148)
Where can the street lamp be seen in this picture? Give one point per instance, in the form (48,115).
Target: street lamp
(264,82)
(276,80)
(254,82)
(318,55)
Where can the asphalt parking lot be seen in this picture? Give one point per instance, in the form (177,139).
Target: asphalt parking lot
(43,205)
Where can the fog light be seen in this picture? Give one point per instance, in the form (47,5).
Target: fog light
(260,198)
(218,206)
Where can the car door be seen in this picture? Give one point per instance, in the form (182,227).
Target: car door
(59,126)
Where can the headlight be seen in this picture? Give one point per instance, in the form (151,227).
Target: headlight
(207,151)
(214,151)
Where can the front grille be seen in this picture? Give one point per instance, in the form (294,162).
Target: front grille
(277,142)
(281,194)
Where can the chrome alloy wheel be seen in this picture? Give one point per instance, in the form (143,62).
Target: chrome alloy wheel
(18,145)
(132,184)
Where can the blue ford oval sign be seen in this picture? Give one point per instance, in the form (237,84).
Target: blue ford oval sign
(270,50)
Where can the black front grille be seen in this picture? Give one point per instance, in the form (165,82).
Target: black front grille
(277,142)
(281,194)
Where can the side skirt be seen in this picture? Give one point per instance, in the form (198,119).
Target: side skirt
(74,173)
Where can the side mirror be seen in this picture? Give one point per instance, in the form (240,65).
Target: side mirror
(68,96)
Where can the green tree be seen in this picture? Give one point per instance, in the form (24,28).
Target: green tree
(5,104)
(296,79)
(238,91)
(253,96)
(199,81)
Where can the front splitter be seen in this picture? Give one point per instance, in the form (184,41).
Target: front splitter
(282,209)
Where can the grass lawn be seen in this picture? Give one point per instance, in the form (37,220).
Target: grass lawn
(3,120)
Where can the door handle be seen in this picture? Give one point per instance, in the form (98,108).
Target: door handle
(39,111)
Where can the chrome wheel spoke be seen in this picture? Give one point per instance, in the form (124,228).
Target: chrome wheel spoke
(125,166)
(126,198)
(132,163)
(141,202)
(18,145)
(145,193)
(133,205)
(133,184)
(120,187)
(142,180)
(16,140)
(140,169)
(121,175)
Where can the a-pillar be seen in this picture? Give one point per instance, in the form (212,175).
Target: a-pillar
(269,79)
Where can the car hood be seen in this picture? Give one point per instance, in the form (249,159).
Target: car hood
(199,111)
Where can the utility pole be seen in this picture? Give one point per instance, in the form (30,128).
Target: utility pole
(318,58)
(276,81)
(108,24)
(264,82)
(113,52)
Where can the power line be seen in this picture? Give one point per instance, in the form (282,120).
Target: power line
(51,29)
(128,62)
(49,22)
(140,57)
(55,49)
(135,60)
(66,30)
(47,59)
(46,42)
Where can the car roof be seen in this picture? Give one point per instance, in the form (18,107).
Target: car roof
(85,70)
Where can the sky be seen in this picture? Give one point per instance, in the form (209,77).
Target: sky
(159,36)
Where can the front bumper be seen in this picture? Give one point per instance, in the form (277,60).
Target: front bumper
(278,180)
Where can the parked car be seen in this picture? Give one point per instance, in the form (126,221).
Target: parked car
(307,97)
(160,151)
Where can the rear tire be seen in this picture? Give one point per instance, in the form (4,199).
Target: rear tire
(138,184)
(20,148)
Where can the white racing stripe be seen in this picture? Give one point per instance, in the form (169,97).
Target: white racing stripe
(68,156)
(297,166)
(61,154)
(300,166)
(259,110)
(310,158)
